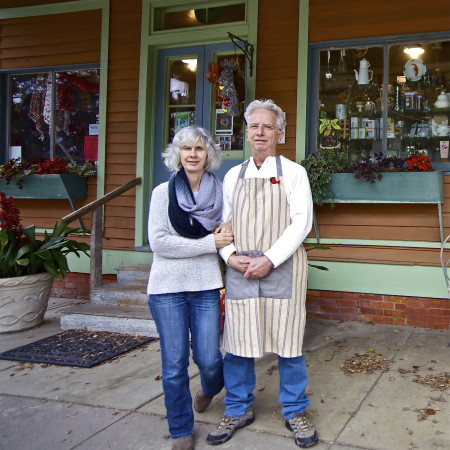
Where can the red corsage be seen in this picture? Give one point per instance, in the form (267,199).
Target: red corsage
(273,180)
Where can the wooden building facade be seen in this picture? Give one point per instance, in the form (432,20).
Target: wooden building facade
(384,258)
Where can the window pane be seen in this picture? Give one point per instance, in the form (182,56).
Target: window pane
(180,104)
(30,115)
(350,98)
(165,19)
(54,114)
(415,82)
(229,130)
(76,115)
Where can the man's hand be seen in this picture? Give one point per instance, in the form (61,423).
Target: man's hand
(258,267)
(239,262)
(224,228)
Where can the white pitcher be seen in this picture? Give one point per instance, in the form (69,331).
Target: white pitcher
(363,76)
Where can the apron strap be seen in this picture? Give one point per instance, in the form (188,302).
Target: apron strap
(243,169)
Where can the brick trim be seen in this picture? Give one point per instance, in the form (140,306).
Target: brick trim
(76,285)
(378,308)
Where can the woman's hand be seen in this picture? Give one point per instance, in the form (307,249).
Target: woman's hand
(223,228)
(223,238)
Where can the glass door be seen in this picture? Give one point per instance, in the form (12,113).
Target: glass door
(188,93)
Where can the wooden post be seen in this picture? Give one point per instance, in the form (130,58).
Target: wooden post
(96,247)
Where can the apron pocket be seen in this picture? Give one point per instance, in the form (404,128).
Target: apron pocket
(278,282)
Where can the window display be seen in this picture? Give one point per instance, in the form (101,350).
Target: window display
(54,114)
(392,98)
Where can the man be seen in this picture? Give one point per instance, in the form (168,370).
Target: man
(268,201)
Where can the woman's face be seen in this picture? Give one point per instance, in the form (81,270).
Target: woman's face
(193,158)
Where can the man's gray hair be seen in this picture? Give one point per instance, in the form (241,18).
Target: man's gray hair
(189,136)
(270,106)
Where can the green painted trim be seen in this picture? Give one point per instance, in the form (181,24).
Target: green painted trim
(104,55)
(112,259)
(302,81)
(410,281)
(52,8)
(375,243)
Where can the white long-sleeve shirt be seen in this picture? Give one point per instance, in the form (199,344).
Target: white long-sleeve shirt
(298,197)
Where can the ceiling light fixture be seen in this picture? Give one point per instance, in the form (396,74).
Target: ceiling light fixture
(191,63)
(414,52)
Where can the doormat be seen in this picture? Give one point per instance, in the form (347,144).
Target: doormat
(78,348)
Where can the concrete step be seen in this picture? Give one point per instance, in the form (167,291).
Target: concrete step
(122,294)
(137,274)
(117,319)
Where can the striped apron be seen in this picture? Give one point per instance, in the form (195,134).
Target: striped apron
(268,314)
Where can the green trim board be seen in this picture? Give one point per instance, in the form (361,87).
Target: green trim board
(302,80)
(409,281)
(375,243)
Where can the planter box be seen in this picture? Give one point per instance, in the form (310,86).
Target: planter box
(394,187)
(56,186)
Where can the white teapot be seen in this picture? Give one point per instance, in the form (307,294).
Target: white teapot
(442,101)
(363,76)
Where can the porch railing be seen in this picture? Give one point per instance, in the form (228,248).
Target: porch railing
(96,208)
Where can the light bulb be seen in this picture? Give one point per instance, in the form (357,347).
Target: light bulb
(414,52)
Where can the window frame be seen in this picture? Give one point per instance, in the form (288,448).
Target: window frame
(5,109)
(314,49)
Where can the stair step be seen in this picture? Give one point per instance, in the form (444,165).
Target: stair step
(117,319)
(133,274)
(125,294)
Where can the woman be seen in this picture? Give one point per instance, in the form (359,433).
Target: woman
(185,276)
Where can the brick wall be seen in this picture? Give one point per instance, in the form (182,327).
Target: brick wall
(389,309)
(76,285)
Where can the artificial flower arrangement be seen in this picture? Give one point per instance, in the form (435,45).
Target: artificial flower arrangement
(15,170)
(21,253)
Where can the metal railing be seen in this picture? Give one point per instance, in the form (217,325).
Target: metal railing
(96,243)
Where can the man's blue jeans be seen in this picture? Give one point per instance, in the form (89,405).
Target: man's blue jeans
(240,381)
(175,315)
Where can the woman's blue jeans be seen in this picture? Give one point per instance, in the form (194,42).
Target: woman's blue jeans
(175,316)
(240,381)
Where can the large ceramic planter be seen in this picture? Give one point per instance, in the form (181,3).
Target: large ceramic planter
(23,301)
(394,187)
(65,186)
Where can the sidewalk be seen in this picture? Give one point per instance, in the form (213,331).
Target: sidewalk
(119,404)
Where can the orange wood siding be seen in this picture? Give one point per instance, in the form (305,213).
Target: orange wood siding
(122,112)
(276,66)
(347,19)
(48,41)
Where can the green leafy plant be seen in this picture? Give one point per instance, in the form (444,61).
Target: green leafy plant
(22,253)
(15,170)
(319,165)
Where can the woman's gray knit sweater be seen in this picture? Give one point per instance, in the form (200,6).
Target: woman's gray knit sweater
(179,264)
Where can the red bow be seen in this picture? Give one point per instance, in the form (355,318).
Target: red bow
(273,180)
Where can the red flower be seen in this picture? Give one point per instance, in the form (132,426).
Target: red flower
(273,180)
(419,162)
(10,217)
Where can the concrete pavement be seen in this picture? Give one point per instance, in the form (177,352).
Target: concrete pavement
(119,404)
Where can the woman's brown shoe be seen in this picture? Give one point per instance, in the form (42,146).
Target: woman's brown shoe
(184,443)
(201,401)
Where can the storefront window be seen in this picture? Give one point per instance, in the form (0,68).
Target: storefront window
(380,99)
(54,114)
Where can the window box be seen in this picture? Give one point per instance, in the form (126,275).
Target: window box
(54,186)
(394,187)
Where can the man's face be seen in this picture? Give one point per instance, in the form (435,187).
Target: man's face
(263,133)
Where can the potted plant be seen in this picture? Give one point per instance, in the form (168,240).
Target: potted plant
(28,266)
(319,166)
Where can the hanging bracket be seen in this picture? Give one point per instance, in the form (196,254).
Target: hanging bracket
(246,47)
